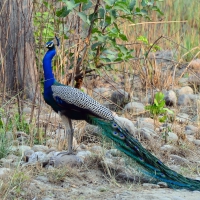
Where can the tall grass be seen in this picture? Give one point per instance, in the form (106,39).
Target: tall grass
(182,36)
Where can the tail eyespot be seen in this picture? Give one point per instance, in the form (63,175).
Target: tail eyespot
(115,133)
(114,125)
(121,136)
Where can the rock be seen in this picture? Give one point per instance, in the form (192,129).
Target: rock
(83,155)
(172,137)
(195,65)
(162,184)
(61,160)
(11,161)
(191,128)
(170,98)
(23,148)
(123,122)
(83,146)
(185,90)
(179,160)
(27,154)
(43,179)
(40,148)
(119,97)
(196,142)
(113,152)
(36,157)
(96,149)
(182,117)
(145,123)
(184,100)
(150,185)
(189,132)
(4,173)
(134,107)
(190,138)
(146,133)
(7,163)
(166,147)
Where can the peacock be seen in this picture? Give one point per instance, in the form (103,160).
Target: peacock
(72,104)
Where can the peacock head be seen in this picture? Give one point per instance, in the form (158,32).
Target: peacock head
(50,45)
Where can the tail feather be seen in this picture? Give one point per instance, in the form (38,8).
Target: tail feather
(152,166)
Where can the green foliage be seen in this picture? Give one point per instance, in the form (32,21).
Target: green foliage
(158,108)
(18,123)
(153,47)
(101,23)
(5,144)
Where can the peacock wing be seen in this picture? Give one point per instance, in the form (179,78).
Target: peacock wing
(81,100)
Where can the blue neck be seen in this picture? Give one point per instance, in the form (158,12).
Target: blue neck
(47,67)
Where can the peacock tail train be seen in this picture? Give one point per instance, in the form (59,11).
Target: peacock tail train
(152,166)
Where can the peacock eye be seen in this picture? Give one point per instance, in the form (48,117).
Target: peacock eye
(115,133)
(114,125)
(122,136)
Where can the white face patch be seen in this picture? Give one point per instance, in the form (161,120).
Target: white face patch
(49,45)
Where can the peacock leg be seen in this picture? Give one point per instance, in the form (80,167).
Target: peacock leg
(70,132)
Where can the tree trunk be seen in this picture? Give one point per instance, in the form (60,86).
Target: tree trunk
(18,72)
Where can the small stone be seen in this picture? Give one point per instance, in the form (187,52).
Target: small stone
(196,142)
(179,160)
(191,128)
(134,107)
(184,100)
(83,146)
(23,148)
(146,133)
(182,117)
(113,152)
(170,98)
(172,137)
(185,90)
(7,163)
(40,157)
(162,184)
(150,185)
(195,65)
(83,155)
(61,160)
(190,138)
(166,147)
(119,97)
(40,148)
